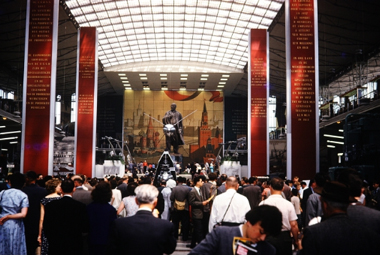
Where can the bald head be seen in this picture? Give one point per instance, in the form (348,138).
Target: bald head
(232,183)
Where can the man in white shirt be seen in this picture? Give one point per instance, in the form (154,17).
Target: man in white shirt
(230,207)
(282,242)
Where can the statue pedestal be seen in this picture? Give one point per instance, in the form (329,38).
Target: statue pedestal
(231,168)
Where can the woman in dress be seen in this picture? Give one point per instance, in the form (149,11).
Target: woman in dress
(53,187)
(129,202)
(116,197)
(101,216)
(166,192)
(14,205)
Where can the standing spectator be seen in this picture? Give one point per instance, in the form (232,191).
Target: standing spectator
(229,208)
(376,194)
(197,203)
(143,233)
(303,187)
(283,242)
(129,203)
(252,192)
(296,202)
(81,194)
(123,186)
(260,222)
(266,191)
(15,205)
(116,197)
(313,204)
(337,233)
(166,192)
(65,222)
(363,215)
(306,194)
(208,192)
(222,186)
(53,187)
(32,219)
(100,215)
(180,193)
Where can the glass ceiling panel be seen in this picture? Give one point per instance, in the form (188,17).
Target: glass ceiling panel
(215,31)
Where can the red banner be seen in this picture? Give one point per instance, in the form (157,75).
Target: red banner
(259,101)
(39,94)
(86,102)
(302,117)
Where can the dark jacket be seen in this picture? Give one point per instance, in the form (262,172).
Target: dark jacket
(142,233)
(339,235)
(64,223)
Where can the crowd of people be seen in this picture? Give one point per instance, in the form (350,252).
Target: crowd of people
(217,214)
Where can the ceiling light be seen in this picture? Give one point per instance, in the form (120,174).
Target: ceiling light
(13,142)
(142,74)
(203,79)
(127,88)
(164,78)
(10,132)
(330,146)
(224,79)
(123,78)
(183,79)
(122,74)
(2,126)
(335,142)
(204,75)
(8,138)
(341,130)
(143,78)
(125,81)
(163,74)
(184,75)
(182,89)
(220,86)
(222,82)
(334,136)
(225,75)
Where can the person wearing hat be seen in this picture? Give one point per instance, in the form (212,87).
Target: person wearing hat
(337,233)
(356,211)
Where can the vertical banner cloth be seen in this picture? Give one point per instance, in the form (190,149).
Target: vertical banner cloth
(41,33)
(302,88)
(87,87)
(258,159)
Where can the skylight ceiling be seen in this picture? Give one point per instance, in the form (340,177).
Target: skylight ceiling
(211,32)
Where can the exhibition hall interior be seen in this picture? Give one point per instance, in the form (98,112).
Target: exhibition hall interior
(152,53)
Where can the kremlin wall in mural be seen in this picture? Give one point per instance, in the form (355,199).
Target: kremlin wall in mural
(203,129)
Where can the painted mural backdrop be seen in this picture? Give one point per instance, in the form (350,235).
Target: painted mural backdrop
(203,129)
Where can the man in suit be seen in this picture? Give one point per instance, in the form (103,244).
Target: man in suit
(81,194)
(208,190)
(222,187)
(197,203)
(363,215)
(260,222)
(181,193)
(337,233)
(32,219)
(253,192)
(143,233)
(65,223)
